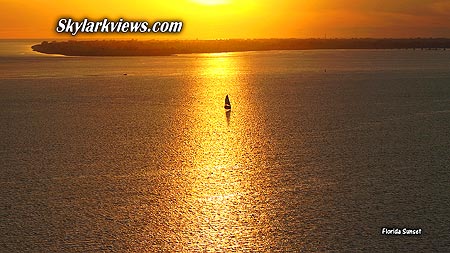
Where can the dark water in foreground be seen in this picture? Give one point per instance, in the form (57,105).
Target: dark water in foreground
(307,160)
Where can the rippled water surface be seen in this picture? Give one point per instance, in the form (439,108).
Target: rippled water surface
(319,152)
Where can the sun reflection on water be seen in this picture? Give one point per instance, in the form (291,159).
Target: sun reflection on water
(216,189)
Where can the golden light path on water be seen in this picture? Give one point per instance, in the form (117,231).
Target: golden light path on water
(219,192)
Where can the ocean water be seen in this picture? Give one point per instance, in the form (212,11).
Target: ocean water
(321,150)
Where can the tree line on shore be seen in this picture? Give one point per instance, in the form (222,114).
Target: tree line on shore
(171,47)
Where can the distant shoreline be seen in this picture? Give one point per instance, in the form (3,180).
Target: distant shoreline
(173,47)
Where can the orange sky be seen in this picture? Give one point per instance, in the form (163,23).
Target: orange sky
(211,19)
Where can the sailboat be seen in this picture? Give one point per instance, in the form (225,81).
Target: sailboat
(227,103)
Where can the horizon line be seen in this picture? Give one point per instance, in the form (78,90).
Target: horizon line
(210,39)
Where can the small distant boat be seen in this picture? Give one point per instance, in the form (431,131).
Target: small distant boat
(227,103)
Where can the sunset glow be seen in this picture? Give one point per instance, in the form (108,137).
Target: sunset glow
(211,2)
(215,19)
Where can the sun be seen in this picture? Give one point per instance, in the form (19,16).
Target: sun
(211,2)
